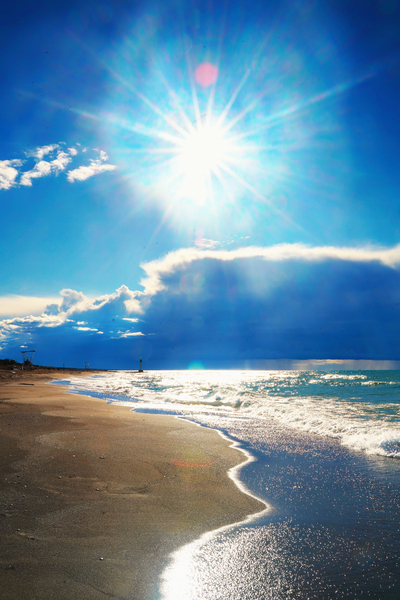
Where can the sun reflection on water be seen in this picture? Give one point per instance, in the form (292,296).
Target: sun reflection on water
(241,564)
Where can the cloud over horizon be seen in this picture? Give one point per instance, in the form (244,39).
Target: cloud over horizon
(14,305)
(218,306)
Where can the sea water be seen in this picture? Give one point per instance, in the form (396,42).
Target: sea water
(326,447)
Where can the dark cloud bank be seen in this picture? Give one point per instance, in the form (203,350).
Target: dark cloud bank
(224,313)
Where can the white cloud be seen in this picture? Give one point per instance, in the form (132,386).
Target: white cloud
(252,303)
(77,303)
(43,167)
(60,163)
(42,151)
(205,243)
(39,170)
(58,157)
(12,329)
(74,311)
(129,302)
(8,173)
(71,298)
(42,320)
(133,306)
(157,270)
(96,166)
(131,334)
(15,306)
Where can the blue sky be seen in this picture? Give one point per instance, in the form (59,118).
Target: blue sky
(200,184)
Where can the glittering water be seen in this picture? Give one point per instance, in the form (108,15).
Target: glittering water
(326,446)
(361,408)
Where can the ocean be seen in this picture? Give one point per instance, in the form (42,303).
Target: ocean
(324,450)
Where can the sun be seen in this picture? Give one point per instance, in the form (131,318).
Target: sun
(203,151)
(200,156)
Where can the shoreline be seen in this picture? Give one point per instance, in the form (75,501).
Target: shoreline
(95,498)
(234,472)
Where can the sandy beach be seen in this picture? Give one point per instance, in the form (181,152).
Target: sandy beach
(94,497)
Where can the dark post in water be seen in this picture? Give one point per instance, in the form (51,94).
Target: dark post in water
(140,368)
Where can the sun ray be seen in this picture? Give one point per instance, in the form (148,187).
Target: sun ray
(121,79)
(156,133)
(178,104)
(258,195)
(244,183)
(211,98)
(299,106)
(150,151)
(161,113)
(167,212)
(233,122)
(210,104)
(193,86)
(235,94)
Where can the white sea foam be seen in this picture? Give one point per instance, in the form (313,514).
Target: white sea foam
(361,409)
(342,376)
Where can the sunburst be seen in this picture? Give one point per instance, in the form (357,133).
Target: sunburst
(230,144)
(189,158)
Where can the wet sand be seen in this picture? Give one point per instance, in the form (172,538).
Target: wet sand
(94,497)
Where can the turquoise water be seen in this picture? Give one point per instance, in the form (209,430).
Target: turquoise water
(326,448)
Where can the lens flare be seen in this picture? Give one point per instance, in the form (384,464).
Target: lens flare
(196,366)
(206,74)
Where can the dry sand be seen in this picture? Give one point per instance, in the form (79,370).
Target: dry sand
(93,497)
